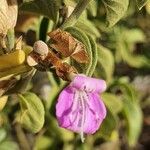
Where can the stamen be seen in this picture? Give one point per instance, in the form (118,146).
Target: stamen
(83,108)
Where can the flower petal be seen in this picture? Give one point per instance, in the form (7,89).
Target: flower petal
(97,105)
(88,84)
(63,106)
(95,113)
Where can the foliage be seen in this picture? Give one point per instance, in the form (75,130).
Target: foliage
(116,38)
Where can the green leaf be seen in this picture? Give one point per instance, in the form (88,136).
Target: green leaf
(128,90)
(88,27)
(134,35)
(42,142)
(32,112)
(82,37)
(2,134)
(113,102)
(133,114)
(109,125)
(115,10)
(47,8)
(8,145)
(94,55)
(92,8)
(136,61)
(141,3)
(105,63)
(125,44)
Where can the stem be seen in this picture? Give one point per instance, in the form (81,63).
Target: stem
(22,139)
(11,39)
(82,4)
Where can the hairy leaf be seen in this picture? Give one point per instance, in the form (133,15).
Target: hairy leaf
(48,8)
(115,10)
(94,55)
(32,112)
(88,27)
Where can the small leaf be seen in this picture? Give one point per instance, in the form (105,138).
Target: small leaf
(115,10)
(105,63)
(32,112)
(8,15)
(47,8)
(141,3)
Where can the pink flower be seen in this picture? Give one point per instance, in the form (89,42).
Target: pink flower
(79,107)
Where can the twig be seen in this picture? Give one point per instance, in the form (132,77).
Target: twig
(75,14)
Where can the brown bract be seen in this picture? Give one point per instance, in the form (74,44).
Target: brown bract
(50,61)
(8,15)
(65,44)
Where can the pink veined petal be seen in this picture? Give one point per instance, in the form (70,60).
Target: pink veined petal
(96,104)
(75,114)
(92,123)
(95,113)
(63,106)
(88,84)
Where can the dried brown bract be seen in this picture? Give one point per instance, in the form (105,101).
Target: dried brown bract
(48,61)
(65,44)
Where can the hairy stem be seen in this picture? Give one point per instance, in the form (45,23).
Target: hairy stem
(75,14)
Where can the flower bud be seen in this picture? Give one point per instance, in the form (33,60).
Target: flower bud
(40,47)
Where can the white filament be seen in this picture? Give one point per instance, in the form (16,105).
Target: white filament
(83,115)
